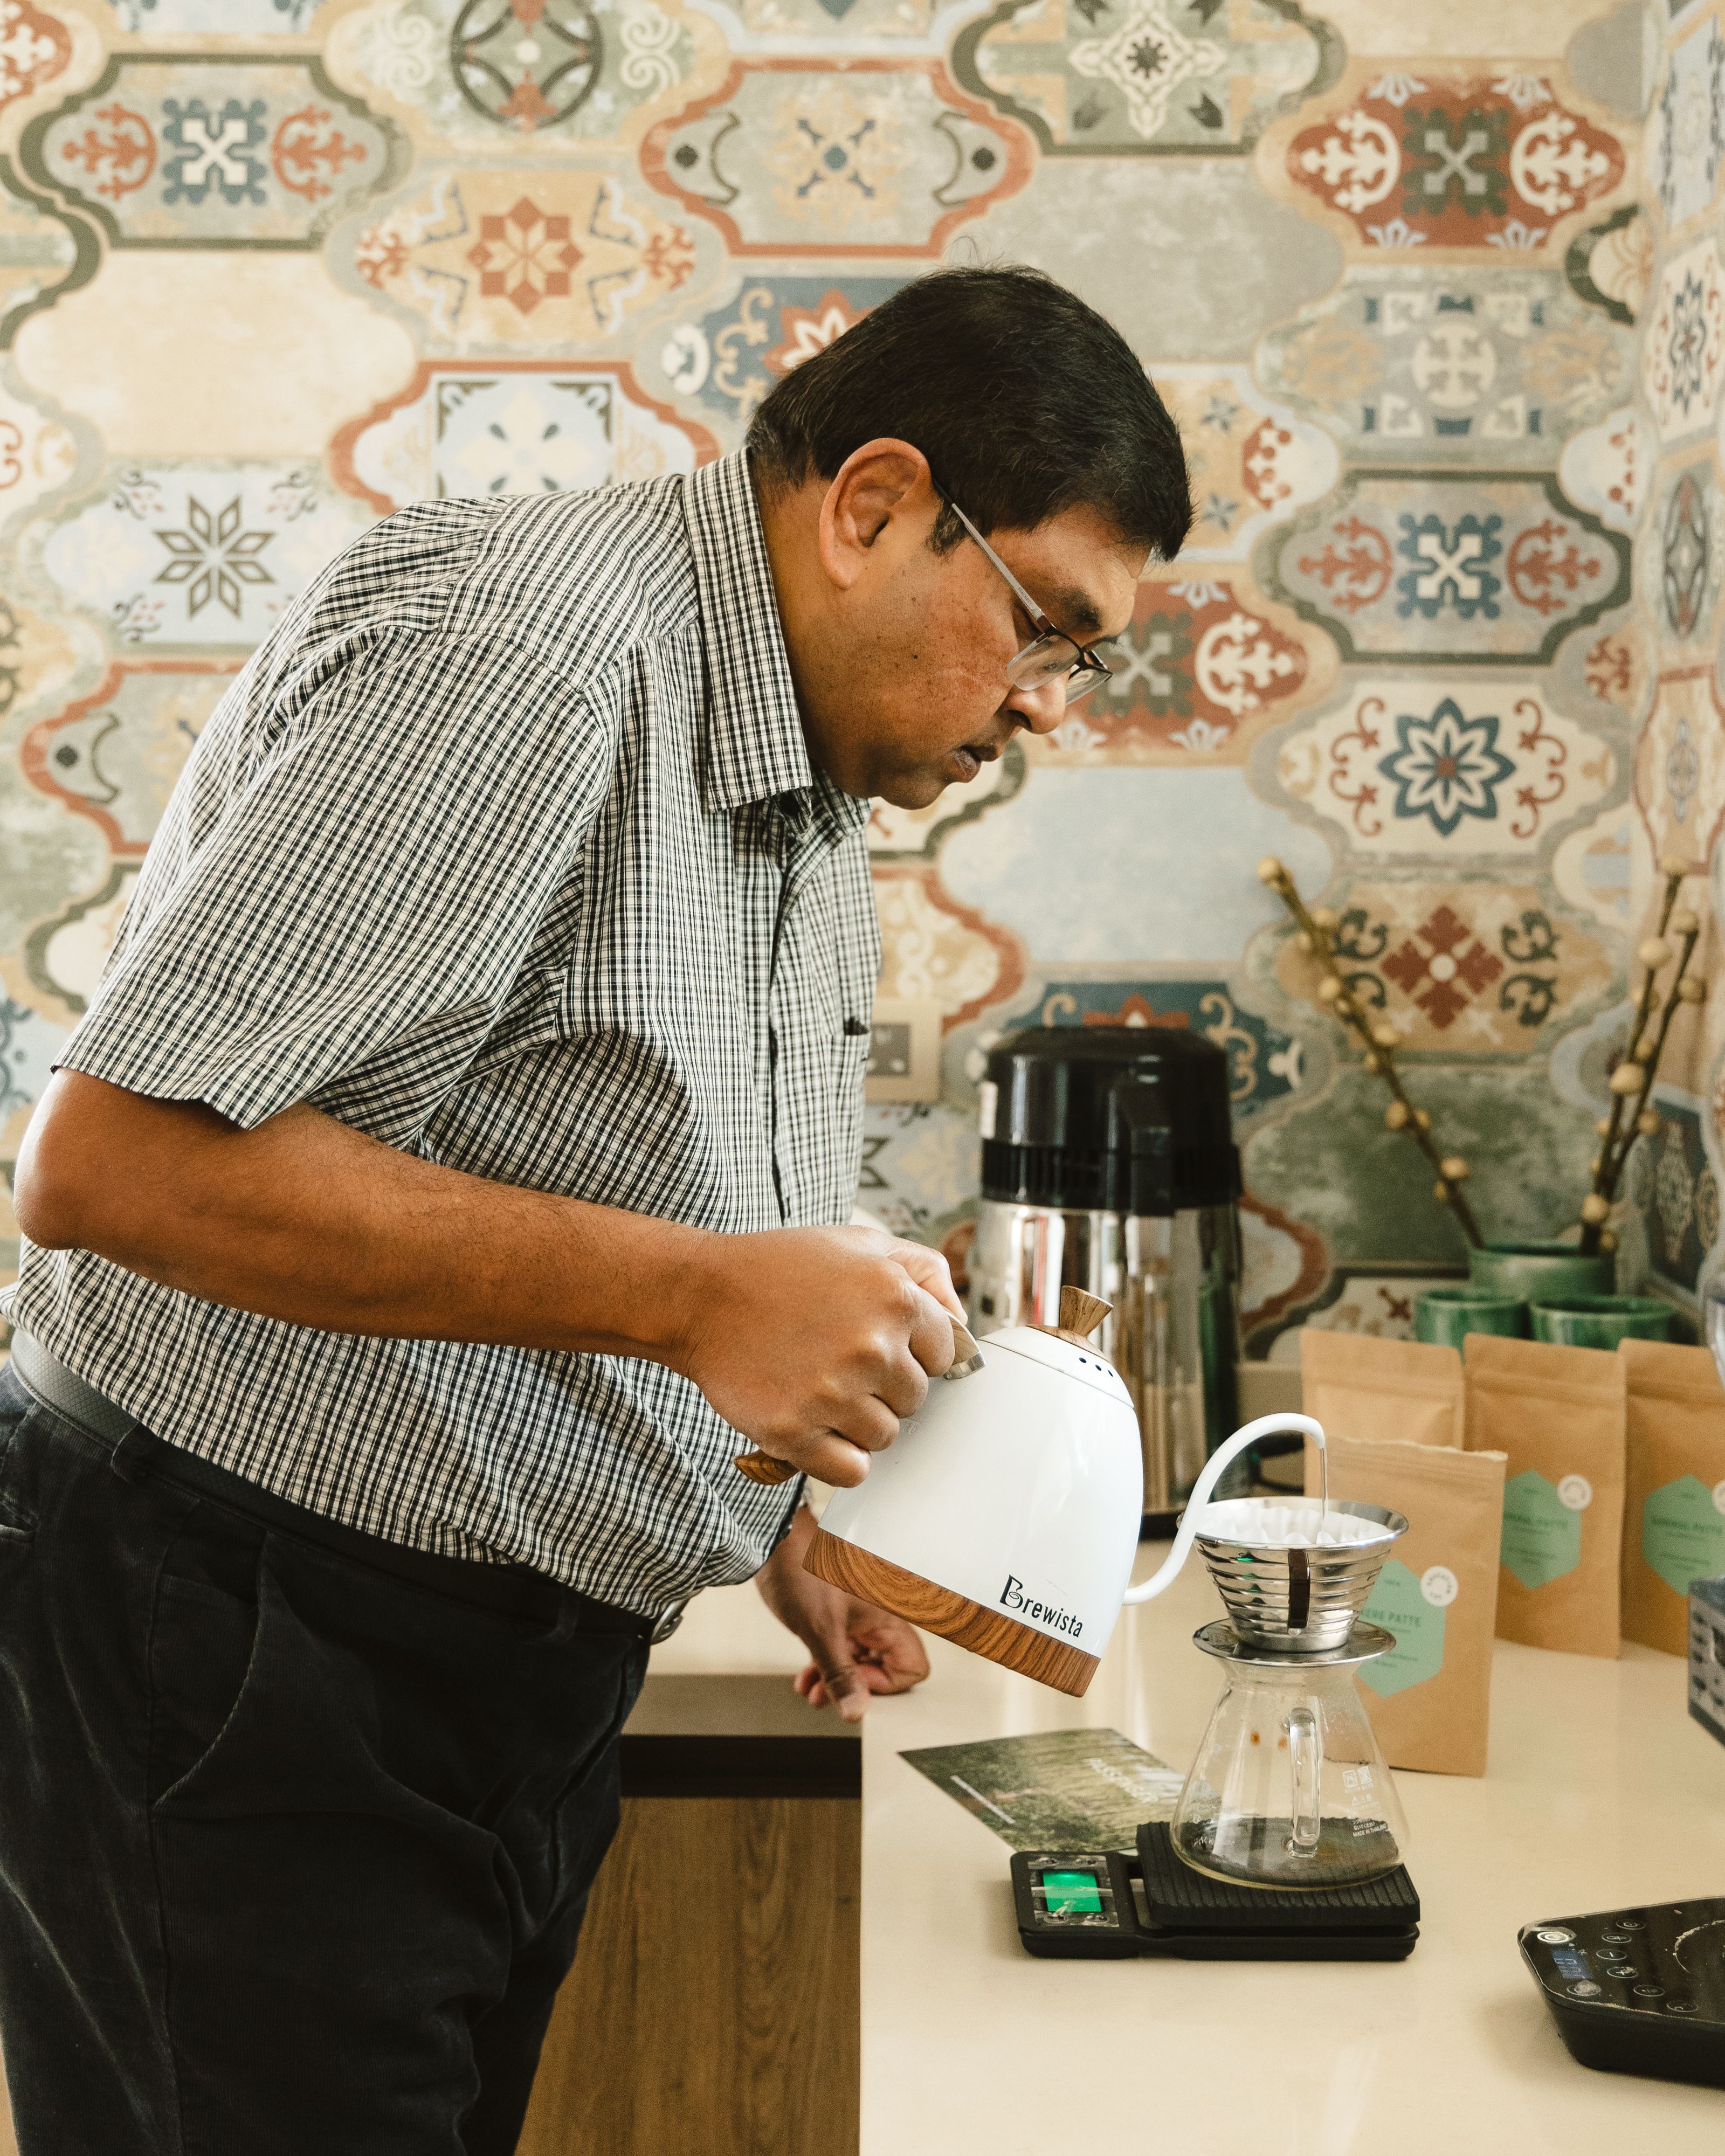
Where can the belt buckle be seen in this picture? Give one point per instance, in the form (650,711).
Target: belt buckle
(667,1623)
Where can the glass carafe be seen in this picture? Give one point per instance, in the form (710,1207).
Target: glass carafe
(1289,1788)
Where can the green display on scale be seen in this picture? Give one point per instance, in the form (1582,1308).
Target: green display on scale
(1072,1893)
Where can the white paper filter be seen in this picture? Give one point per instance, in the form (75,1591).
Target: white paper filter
(1283,1527)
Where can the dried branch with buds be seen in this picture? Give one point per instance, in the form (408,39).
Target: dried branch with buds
(1315,927)
(1631,1082)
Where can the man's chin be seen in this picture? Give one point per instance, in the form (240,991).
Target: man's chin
(917,789)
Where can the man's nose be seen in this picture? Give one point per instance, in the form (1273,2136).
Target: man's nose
(1040,710)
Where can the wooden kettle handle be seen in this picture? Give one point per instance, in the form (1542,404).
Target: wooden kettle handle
(761,1466)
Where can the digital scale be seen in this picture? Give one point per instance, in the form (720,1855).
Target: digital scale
(1638,1991)
(1108,1905)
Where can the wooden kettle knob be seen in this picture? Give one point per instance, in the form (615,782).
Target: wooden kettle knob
(762,1468)
(1080,1314)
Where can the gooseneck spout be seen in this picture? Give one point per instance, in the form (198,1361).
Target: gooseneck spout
(1270,1425)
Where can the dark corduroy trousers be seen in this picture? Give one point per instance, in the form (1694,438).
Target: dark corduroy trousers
(293,1852)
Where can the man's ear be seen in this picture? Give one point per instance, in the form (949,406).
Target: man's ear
(881,493)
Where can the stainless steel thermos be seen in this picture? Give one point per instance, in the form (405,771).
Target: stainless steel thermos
(1109,1164)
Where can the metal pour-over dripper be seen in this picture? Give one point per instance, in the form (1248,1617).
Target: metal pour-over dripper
(1289,1789)
(1290,1599)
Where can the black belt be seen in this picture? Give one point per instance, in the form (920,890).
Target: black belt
(510,1590)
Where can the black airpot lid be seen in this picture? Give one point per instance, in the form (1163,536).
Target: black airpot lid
(1121,1119)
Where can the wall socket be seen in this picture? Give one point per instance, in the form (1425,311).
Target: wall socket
(904,1051)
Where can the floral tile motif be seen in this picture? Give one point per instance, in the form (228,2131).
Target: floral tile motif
(1474,568)
(793,157)
(1264,1064)
(480,75)
(1205,666)
(1615,668)
(1680,765)
(1610,266)
(1688,128)
(467,426)
(1403,361)
(39,450)
(497,258)
(1672,1185)
(939,951)
(1112,78)
(1250,462)
(1467,969)
(114,755)
(1605,467)
(35,48)
(1682,551)
(207,149)
(729,358)
(916,834)
(44,253)
(1683,356)
(1446,159)
(1409,768)
(195,554)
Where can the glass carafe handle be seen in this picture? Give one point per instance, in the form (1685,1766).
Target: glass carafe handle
(1306,1757)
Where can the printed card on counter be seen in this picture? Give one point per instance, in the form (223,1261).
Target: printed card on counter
(1061,1788)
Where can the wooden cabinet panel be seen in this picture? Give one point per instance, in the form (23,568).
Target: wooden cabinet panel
(713,2009)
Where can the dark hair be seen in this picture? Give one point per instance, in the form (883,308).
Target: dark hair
(1023,400)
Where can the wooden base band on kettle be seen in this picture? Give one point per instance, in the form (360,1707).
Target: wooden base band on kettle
(990,1633)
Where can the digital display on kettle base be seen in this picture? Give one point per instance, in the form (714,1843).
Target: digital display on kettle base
(1072,1893)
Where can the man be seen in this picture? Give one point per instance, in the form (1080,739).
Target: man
(441,1189)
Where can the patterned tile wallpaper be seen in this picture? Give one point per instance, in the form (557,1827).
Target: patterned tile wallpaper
(1437,297)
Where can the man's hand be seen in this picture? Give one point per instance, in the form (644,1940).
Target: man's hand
(815,1342)
(858,1649)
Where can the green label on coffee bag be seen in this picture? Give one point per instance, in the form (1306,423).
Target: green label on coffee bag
(1413,1611)
(1683,1532)
(1542,1535)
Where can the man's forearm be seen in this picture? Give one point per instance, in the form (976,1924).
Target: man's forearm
(306,1220)
(811,1341)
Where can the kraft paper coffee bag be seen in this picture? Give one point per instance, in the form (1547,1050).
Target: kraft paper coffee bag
(1674,1507)
(1431,1700)
(1356,1386)
(1559,1414)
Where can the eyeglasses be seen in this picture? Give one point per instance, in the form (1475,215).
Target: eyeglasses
(1053,656)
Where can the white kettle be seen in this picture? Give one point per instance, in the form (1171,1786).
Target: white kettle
(1006,1515)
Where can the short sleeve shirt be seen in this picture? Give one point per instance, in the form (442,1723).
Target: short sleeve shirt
(505,848)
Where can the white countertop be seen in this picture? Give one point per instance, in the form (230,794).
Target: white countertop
(1602,1793)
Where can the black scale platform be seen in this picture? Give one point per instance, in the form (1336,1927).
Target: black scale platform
(1088,1907)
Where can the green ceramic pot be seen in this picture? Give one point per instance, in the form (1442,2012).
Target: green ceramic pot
(1445,1316)
(1601,1320)
(1540,1272)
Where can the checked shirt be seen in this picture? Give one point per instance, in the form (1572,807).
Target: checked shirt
(505,848)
